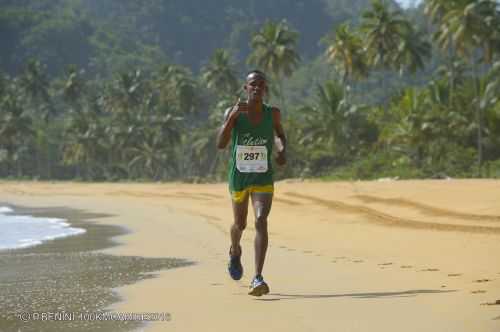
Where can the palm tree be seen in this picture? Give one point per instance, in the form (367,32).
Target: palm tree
(436,10)
(384,30)
(346,48)
(74,88)
(81,143)
(153,151)
(35,85)
(177,89)
(219,73)
(411,130)
(492,90)
(123,103)
(273,51)
(85,139)
(127,91)
(469,25)
(205,157)
(412,51)
(151,157)
(16,127)
(333,123)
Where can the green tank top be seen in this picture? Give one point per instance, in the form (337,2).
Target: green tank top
(251,152)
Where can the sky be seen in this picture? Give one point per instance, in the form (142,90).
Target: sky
(406,3)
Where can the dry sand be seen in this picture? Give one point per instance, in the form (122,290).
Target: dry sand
(343,256)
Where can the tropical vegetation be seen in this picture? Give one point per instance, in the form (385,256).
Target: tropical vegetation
(111,91)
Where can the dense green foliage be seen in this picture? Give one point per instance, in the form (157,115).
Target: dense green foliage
(127,90)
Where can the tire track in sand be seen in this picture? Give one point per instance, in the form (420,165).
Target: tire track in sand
(426,209)
(143,194)
(384,219)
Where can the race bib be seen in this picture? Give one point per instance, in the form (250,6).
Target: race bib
(251,159)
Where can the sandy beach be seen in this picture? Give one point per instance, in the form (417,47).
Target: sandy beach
(343,256)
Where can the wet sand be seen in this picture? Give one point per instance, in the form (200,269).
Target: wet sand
(68,276)
(344,256)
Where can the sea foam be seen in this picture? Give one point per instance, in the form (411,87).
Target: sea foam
(21,231)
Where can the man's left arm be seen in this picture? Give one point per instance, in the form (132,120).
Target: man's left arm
(281,138)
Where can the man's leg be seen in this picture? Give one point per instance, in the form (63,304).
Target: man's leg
(261,203)
(240,212)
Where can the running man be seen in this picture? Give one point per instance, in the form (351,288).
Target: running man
(252,127)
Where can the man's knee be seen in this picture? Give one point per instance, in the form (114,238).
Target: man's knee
(240,225)
(261,224)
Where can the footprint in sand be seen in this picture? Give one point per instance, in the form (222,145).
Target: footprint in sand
(454,274)
(430,270)
(406,266)
(334,261)
(385,264)
(479,291)
(358,261)
(216,284)
(482,280)
(307,251)
(497,302)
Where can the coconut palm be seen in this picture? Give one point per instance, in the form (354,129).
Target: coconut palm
(74,88)
(384,29)
(273,51)
(345,48)
(177,88)
(334,124)
(412,51)
(154,149)
(127,92)
(35,85)
(492,90)
(469,25)
(437,9)
(219,74)
(16,128)
(82,143)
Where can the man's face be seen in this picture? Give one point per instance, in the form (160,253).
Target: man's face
(255,87)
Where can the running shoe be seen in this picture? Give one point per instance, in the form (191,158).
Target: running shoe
(258,287)
(234,267)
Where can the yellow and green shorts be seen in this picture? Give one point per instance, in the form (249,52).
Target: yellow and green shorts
(240,196)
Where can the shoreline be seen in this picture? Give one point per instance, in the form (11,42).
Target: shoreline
(70,276)
(97,236)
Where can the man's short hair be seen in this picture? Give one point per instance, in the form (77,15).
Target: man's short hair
(258,73)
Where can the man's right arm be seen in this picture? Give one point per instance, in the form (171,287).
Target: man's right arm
(224,133)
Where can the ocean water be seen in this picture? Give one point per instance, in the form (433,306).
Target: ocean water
(21,231)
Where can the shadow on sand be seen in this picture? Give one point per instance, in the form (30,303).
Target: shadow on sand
(408,293)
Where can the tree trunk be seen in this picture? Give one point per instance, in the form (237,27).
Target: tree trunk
(479,120)
(282,97)
(345,82)
(451,56)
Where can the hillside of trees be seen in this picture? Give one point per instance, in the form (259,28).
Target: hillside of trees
(124,90)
